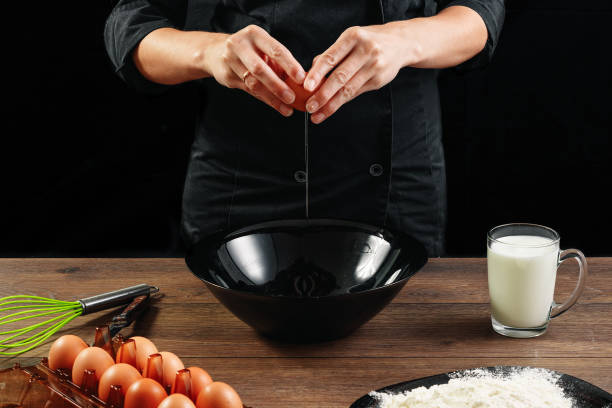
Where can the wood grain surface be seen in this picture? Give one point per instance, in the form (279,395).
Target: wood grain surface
(438,323)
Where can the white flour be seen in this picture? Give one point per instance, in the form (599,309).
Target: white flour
(522,388)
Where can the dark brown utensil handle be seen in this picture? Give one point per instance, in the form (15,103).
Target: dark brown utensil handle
(129,314)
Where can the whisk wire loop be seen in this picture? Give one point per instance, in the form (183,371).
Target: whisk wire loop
(46,312)
(28,329)
(38,338)
(37,325)
(32,299)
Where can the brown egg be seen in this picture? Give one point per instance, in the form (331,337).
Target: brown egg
(301,94)
(64,350)
(91,358)
(144,348)
(218,395)
(144,393)
(118,374)
(171,364)
(199,380)
(176,401)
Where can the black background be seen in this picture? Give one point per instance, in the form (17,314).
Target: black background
(91,168)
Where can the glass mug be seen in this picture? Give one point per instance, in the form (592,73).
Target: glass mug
(522,262)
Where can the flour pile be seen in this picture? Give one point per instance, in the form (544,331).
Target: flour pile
(520,388)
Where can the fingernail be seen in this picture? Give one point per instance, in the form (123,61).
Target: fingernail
(318,118)
(312,107)
(309,85)
(288,96)
(286,110)
(300,76)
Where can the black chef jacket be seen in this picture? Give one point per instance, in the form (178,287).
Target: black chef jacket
(378,160)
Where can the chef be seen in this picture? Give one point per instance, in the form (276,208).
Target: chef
(374,135)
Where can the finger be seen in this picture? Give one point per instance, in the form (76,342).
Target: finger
(340,77)
(266,75)
(254,87)
(359,84)
(279,54)
(259,91)
(276,68)
(237,66)
(242,73)
(329,59)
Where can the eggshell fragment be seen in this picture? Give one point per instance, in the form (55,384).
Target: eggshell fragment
(218,395)
(199,379)
(118,374)
(91,358)
(176,401)
(171,364)
(64,351)
(144,348)
(144,393)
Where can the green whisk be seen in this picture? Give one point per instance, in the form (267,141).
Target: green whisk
(19,308)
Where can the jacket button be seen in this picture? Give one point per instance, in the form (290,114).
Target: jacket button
(376,170)
(300,176)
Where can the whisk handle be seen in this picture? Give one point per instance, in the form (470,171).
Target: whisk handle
(115,298)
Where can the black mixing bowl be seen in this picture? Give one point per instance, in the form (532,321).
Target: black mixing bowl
(306,280)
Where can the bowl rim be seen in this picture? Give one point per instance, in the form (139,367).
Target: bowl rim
(302,223)
(223,237)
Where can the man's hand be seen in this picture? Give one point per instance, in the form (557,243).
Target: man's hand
(367,58)
(362,59)
(241,60)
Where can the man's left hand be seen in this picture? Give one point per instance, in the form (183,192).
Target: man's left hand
(362,59)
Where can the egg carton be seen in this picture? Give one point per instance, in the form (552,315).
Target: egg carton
(41,387)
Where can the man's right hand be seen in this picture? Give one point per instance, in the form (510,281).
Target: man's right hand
(241,60)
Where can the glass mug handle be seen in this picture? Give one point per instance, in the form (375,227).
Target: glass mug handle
(558,309)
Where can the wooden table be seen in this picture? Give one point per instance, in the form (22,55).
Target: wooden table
(438,323)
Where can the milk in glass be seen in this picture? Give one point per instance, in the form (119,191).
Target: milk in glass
(522,271)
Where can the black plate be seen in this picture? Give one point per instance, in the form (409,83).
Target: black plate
(306,280)
(585,394)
